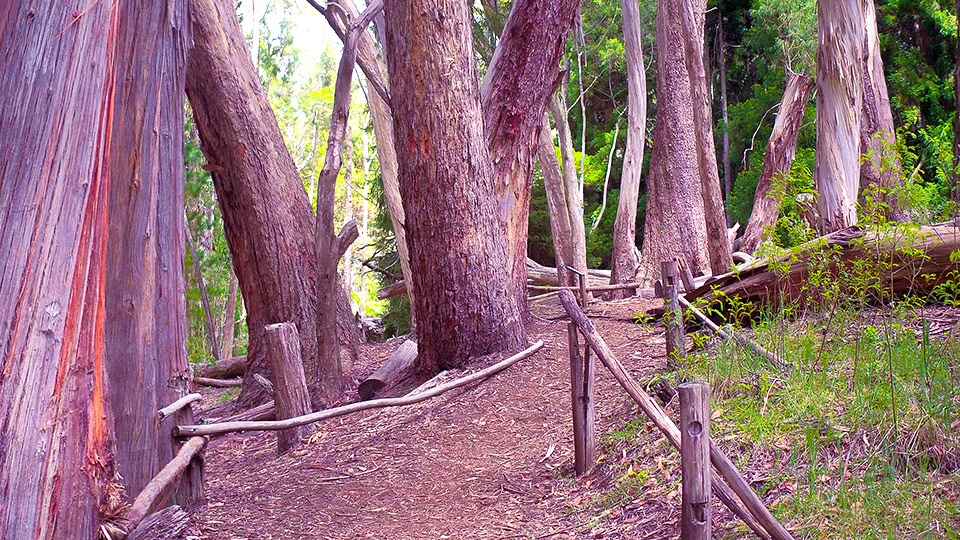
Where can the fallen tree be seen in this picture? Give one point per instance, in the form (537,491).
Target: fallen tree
(227,368)
(890,262)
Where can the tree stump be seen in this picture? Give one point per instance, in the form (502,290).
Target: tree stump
(290,384)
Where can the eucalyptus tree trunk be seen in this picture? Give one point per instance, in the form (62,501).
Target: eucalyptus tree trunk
(524,72)
(268,219)
(781,150)
(675,223)
(836,172)
(880,169)
(369,55)
(624,257)
(145,343)
(466,304)
(560,230)
(57,76)
(572,186)
(692,13)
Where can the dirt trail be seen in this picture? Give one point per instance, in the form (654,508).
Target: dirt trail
(490,461)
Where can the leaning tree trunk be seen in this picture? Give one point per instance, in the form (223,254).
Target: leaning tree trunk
(836,172)
(560,230)
(458,247)
(624,257)
(524,72)
(880,170)
(368,55)
(781,149)
(57,77)
(267,216)
(572,187)
(718,244)
(675,224)
(145,343)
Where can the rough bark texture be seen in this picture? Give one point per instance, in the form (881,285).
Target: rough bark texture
(291,396)
(524,72)
(145,333)
(267,217)
(781,149)
(57,77)
(624,257)
(718,245)
(382,119)
(560,230)
(467,304)
(572,187)
(836,172)
(675,223)
(878,140)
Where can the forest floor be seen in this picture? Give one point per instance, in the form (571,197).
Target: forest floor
(493,460)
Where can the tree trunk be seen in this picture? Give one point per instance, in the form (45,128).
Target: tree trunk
(267,217)
(955,195)
(624,257)
(675,224)
(692,14)
(524,72)
(57,78)
(724,112)
(145,333)
(382,119)
(781,149)
(467,303)
(880,169)
(229,319)
(572,186)
(560,230)
(836,172)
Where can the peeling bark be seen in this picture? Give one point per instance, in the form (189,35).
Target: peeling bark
(836,173)
(781,150)
(624,257)
(56,101)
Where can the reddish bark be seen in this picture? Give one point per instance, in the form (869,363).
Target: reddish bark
(466,302)
(145,343)
(267,216)
(675,222)
(524,71)
(56,461)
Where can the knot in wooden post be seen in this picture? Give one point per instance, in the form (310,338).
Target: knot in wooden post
(695,460)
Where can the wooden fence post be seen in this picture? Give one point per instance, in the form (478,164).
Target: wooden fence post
(290,384)
(672,316)
(695,460)
(581,391)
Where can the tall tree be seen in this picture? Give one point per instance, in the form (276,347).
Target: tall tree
(692,14)
(675,223)
(145,333)
(268,219)
(524,72)
(572,185)
(880,167)
(458,246)
(781,150)
(57,78)
(839,103)
(624,261)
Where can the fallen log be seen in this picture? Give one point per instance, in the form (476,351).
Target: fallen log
(168,523)
(229,427)
(396,369)
(756,516)
(218,383)
(227,368)
(548,276)
(157,491)
(911,260)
